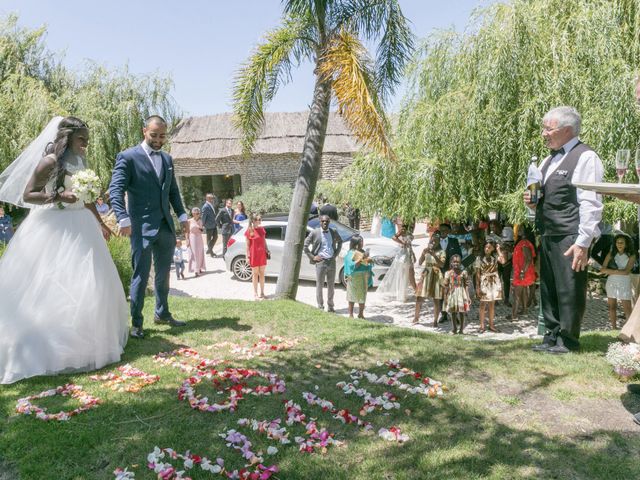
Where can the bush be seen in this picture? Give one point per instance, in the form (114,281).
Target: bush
(120,249)
(3,247)
(267,198)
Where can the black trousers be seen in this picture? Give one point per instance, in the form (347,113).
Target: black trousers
(505,274)
(562,290)
(225,240)
(212,237)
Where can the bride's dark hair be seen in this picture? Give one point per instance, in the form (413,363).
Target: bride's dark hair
(66,128)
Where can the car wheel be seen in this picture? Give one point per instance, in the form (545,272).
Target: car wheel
(341,278)
(241,268)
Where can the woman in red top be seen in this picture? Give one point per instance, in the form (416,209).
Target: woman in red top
(257,253)
(524,271)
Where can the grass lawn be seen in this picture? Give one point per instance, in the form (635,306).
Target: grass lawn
(509,413)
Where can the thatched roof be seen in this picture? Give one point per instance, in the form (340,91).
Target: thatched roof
(214,136)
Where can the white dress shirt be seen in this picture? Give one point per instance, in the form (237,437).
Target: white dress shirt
(589,169)
(444,242)
(126,222)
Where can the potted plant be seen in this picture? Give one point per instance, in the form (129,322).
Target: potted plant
(625,358)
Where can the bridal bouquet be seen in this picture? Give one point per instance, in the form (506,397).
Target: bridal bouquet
(86,186)
(625,358)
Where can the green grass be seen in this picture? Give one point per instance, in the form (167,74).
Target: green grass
(510,413)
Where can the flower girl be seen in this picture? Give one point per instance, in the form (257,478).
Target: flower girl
(456,293)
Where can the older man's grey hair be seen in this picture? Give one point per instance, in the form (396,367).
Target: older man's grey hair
(566,117)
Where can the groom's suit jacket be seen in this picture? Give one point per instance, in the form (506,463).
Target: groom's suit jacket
(148,197)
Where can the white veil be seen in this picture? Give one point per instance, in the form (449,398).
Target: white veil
(14,179)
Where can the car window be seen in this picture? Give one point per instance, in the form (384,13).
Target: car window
(274,232)
(345,232)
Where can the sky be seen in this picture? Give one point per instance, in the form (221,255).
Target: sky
(200,44)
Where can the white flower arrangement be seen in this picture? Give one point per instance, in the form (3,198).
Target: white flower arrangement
(85,184)
(624,356)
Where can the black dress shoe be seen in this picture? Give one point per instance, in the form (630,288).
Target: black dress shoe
(136,332)
(543,347)
(634,388)
(168,321)
(557,350)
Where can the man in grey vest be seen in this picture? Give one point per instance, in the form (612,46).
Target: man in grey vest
(567,219)
(322,246)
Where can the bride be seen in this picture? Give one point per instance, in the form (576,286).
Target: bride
(63,305)
(400,281)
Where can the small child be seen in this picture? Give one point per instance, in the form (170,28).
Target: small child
(488,285)
(430,286)
(178,259)
(456,293)
(618,265)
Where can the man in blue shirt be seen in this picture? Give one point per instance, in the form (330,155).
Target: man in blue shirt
(322,246)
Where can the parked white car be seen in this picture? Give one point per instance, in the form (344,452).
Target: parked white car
(382,251)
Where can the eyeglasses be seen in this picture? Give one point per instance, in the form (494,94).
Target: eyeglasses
(549,129)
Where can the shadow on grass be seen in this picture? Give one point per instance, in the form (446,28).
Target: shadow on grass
(449,438)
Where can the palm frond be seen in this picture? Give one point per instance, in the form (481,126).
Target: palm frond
(347,66)
(383,20)
(267,69)
(319,10)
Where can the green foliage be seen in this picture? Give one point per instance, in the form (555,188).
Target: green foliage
(332,190)
(3,247)
(120,250)
(34,86)
(267,198)
(471,119)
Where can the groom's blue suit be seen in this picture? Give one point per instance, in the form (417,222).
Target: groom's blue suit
(149,198)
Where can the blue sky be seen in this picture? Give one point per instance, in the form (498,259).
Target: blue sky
(199,43)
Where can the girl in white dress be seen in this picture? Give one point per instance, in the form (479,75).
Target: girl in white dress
(63,305)
(617,264)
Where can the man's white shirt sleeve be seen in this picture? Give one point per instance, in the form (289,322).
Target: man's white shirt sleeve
(588,170)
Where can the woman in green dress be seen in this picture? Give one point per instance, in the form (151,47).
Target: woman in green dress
(358,274)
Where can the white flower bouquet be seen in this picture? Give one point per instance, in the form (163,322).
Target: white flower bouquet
(86,186)
(625,358)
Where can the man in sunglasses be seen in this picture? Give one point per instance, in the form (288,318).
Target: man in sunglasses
(322,246)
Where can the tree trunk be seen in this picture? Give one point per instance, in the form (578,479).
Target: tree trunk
(305,188)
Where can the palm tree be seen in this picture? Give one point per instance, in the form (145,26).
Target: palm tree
(328,33)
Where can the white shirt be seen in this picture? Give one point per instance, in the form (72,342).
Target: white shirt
(156,167)
(444,242)
(126,222)
(589,169)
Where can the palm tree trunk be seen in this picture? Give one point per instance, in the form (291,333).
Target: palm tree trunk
(305,187)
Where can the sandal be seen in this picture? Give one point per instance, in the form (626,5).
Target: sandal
(494,330)
(482,330)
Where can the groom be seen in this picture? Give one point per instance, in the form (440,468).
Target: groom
(146,175)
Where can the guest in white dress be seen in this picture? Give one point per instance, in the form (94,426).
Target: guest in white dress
(618,264)
(63,304)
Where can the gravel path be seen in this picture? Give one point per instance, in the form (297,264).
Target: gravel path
(218,283)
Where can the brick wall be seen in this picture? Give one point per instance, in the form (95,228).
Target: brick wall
(261,168)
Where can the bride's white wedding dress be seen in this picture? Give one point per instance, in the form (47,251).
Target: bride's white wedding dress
(62,305)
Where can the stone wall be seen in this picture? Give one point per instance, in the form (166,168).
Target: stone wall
(261,168)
